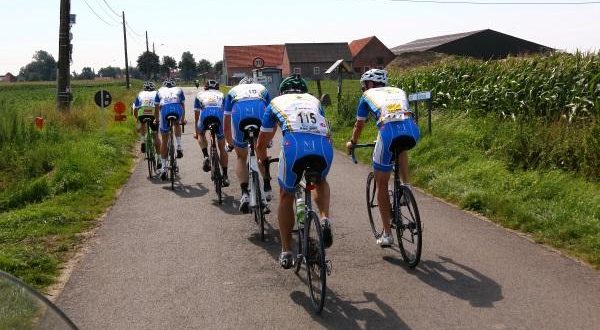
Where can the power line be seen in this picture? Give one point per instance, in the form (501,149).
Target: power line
(95,13)
(453,2)
(132,30)
(111,9)
(109,14)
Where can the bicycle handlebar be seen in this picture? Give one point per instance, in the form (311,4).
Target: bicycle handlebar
(361,145)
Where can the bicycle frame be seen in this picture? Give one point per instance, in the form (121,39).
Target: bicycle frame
(253,170)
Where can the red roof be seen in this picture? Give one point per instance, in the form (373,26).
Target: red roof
(243,56)
(357,45)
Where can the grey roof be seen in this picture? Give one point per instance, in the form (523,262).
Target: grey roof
(426,44)
(318,52)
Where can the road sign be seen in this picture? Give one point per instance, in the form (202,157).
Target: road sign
(120,117)
(103,98)
(258,63)
(420,96)
(119,107)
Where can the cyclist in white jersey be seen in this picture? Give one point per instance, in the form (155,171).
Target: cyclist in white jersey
(208,108)
(396,126)
(143,108)
(169,100)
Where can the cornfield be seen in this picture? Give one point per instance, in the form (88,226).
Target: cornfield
(551,87)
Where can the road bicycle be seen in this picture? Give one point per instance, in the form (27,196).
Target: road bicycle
(405,213)
(216,174)
(258,202)
(172,167)
(150,152)
(311,247)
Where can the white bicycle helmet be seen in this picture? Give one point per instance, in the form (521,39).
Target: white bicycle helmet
(149,86)
(374,75)
(169,83)
(246,80)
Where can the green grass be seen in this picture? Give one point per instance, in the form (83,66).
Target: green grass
(58,180)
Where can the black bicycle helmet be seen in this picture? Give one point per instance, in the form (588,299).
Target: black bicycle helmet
(293,84)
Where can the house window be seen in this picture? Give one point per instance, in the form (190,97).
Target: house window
(297,71)
(316,70)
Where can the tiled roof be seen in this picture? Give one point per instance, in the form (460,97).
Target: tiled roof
(242,56)
(318,52)
(357,45)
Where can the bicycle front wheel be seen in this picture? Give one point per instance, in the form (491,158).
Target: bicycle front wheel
(373,207)
(409,230)
(316,265)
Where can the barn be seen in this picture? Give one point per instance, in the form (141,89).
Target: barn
(312,59)
(368,53)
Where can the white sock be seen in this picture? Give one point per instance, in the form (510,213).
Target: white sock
(163,161)
(144,137)
(178,140)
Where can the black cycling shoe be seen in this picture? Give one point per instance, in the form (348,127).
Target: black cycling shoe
(163,176)
(143,147)
(225,182)
(286,260)
(179,153)
(327,235)
(206,165)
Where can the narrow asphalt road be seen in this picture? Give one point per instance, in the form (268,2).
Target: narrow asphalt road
(165,259)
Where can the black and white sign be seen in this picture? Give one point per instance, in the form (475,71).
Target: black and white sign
(258,63)
(103,98)
(420,96)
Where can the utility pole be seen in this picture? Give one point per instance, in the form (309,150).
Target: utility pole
(63,77)
(153,48)
(126,59)
(147,48)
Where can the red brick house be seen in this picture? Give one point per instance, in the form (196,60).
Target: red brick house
(238,60)
(8,77)
(368,53)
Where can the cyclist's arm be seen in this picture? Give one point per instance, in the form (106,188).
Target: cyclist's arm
(361,116)
(227,107)
(267,131)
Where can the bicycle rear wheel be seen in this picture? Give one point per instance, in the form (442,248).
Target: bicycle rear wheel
(172,163)
(217,177)
(316,266)
(259,216)
(409,231)
(150,156)
(373,207)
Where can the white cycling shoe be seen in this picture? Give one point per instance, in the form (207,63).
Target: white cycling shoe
(386,240)
(245,203)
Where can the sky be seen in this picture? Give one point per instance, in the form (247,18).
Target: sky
(205,26)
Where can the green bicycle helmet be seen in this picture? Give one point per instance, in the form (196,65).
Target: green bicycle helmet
(293,84)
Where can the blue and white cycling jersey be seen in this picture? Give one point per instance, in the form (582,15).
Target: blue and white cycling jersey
(144,103)
(305,133)
(208,99)
(210,105)
(301,113)
(171,102)
(388,104)
(244,103)
(172,95)
(390,107)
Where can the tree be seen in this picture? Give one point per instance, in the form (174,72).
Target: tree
(148,64)
(168,64)
(218,68)
(204,66)
(87,73)
(110,72)
(187,65)
(43,67)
